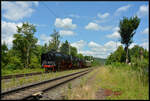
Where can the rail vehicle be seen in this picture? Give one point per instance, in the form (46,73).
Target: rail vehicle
(55,61)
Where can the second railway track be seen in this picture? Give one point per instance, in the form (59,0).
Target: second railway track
(37,89)
(20,75)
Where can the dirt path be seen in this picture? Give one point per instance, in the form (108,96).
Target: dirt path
(100,94)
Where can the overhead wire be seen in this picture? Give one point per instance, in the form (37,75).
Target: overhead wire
(49,10)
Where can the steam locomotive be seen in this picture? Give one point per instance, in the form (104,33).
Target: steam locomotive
(55,61)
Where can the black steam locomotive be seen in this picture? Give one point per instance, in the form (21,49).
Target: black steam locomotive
(55,61)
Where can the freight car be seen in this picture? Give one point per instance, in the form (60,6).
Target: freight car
(54,61)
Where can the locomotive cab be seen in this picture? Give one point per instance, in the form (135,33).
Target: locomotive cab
(47,62)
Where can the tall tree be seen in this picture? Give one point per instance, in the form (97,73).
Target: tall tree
(80,56)
(65,48)
(73,51)
(54,43)
(127,30)
(45,48)
(25,41)
(4,51)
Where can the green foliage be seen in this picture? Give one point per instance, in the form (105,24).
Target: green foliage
(54,43)
(88,58)
(35,62)
(136,52)
(4,53)
(73,51)
(25,42)
(137,59)
(37,52)
(138,63)
(14,63)
(80,56)
(127,31)
(117,56)
(96,62)
(65,48)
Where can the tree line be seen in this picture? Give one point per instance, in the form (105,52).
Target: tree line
(26,53)
(137,57)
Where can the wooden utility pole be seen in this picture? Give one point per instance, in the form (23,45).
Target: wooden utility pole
(141,54)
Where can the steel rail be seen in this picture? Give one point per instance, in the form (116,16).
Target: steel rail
(39,94)
(20,75)
(7,93)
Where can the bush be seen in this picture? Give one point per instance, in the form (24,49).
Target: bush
(141,66)
(138,64)
(34,63)
(95,63)
(14,63)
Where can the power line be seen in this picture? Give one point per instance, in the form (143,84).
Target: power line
(50,10)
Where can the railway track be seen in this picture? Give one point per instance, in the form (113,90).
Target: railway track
(36,90)
(20,75)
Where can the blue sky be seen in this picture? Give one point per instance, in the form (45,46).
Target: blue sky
(91,27)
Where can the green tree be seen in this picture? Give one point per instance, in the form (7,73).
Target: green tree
(37,52)
(45,48)
(65,48)
(120,54)
(117,56)
(127,30)
(54,43)
(80,56)
(4,51)
(25,42)
(73,51)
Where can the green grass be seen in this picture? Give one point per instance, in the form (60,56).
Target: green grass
(116,78)
(125,80)
(5,72)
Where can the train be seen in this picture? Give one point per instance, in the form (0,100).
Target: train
(56,61)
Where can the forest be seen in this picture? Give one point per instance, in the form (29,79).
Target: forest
(26,53)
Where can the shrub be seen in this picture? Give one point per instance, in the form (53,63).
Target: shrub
(34,63)
(14,63)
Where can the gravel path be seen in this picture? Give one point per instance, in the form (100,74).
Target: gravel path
(59,92)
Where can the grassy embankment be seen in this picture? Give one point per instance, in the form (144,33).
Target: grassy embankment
(129,83)
(5,72)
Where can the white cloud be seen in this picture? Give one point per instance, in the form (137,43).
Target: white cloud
(115,29)
(146,31)
(65,23)
(92,26)
(145,45)
(132,45)
(101,51)
(114,35)
(17,10)
(93,44)
(96,27)
(95,49)
(8,30)
(143,10)
(45,38)
(111,46)
(103,15)
(123,8)
(66,33)
(79,45)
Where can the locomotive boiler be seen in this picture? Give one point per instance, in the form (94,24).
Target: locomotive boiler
(55,61)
